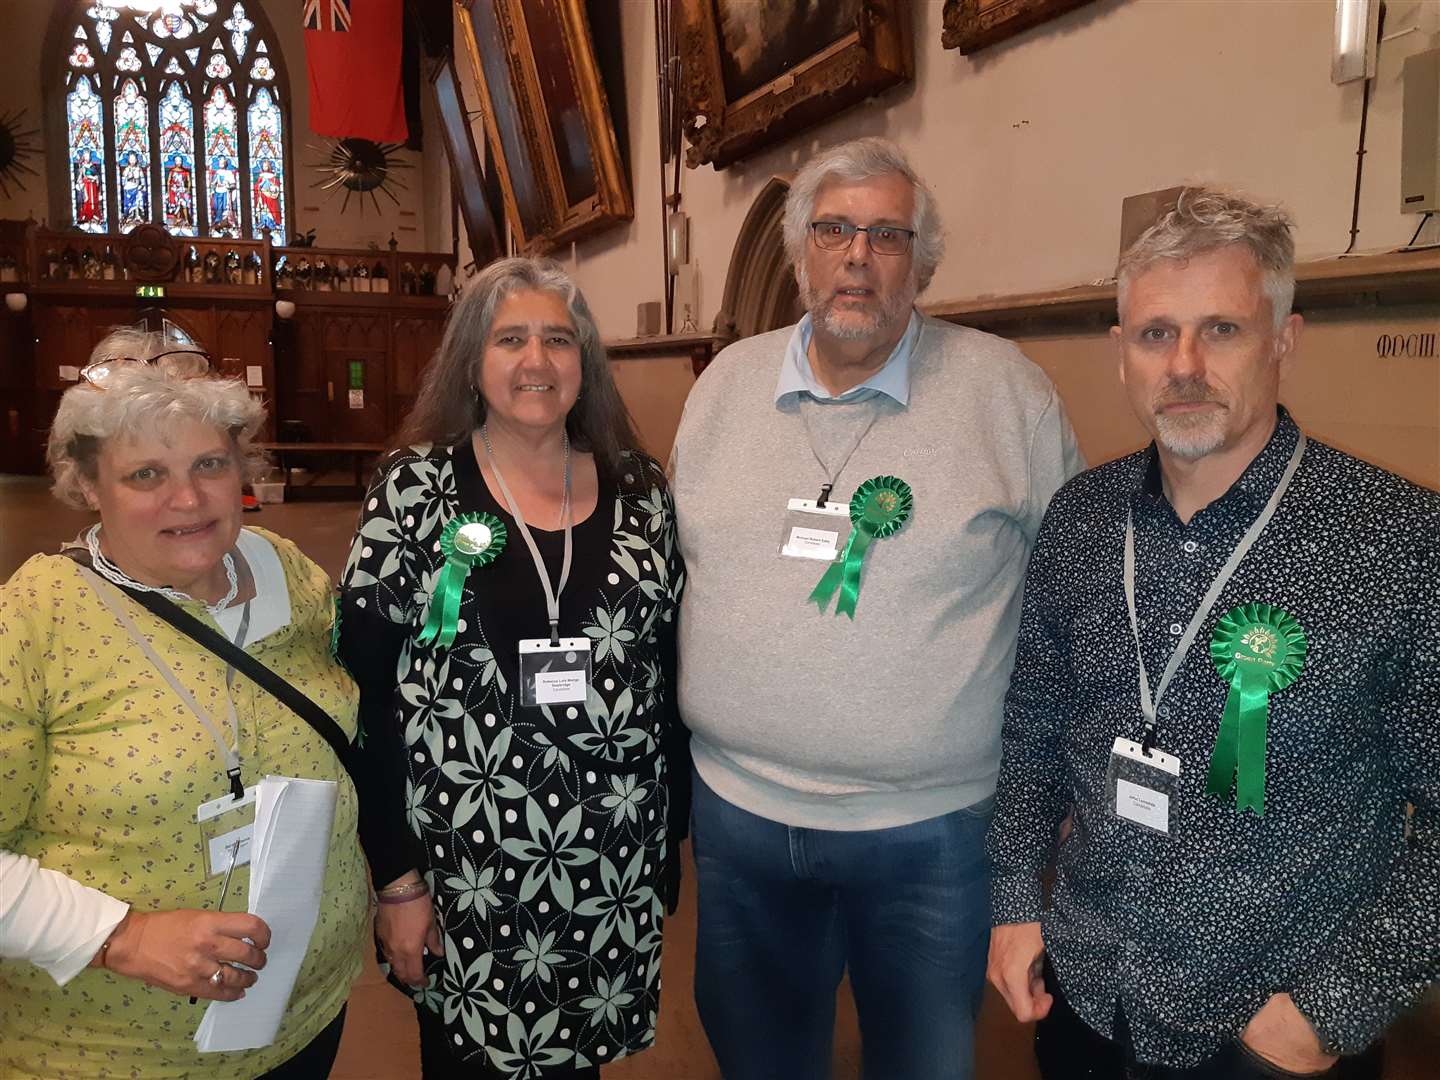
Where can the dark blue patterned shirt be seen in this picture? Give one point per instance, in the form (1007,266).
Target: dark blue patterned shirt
(1326,896)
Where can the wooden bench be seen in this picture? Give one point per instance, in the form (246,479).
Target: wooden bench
(360,454)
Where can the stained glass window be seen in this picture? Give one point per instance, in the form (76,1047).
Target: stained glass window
(267,169)
(102,16)
(162,129)
(222,162)
(132,155)
(177,161)
(87,156)
(239,27)
(171,24)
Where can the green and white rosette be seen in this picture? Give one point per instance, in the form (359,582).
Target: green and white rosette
(469,540)
(877,509)
(1258,650)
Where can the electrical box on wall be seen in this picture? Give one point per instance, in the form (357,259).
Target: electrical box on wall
(1139,212)
(1420,134)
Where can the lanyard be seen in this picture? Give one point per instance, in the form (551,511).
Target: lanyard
(1148,705)
(832,475)
(228,754)
(552,595)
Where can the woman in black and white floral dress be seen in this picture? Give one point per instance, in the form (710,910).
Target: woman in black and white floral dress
(523,853)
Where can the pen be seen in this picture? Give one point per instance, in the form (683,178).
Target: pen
(225,884)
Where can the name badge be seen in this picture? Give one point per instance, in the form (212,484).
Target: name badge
(806,543)
(227,826)
(554,674)
(814,530)
(1141,786)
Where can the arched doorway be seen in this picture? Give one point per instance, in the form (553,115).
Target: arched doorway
(760,289)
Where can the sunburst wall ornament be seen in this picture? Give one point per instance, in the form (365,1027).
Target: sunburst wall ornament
(15,146)
(359,167)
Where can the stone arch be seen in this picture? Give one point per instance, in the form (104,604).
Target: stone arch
(760,289)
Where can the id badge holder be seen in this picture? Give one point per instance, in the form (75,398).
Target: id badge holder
(554,674)
(1139,787)
(814,530)
(227,825)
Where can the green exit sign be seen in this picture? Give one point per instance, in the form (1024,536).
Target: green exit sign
(150,292)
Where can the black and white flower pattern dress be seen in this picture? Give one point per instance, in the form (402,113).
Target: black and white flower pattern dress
(541,830)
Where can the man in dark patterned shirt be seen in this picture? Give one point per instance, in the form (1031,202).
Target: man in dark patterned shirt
(1235,742)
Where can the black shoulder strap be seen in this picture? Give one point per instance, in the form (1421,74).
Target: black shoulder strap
(240,660)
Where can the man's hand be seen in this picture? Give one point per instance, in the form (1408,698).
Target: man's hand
(1281,1035)
(1017,958)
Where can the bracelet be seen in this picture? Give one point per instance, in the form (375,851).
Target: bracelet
(393,899)
(105,947)
(400,894)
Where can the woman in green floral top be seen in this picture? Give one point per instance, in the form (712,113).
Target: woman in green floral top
(524,854)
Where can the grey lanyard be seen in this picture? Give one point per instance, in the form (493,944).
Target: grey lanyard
(552,595)
(240,635)
(228,754)
(1148,705)
(832,475)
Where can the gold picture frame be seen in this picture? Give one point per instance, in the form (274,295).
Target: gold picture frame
(746,85)
(547,119)
(972,25)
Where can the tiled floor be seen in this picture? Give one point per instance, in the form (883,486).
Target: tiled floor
(379,1039)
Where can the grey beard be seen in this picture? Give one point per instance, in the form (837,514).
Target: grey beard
(1191,439)
(1194,436)
(823,315)
(892,311)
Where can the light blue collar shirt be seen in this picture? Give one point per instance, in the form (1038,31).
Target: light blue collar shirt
(892,380)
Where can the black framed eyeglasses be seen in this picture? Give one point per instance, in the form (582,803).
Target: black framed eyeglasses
(883,239)
(181,363)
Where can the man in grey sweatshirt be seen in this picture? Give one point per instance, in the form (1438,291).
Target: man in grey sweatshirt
(857,497)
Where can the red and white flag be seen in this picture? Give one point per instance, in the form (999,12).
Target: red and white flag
(352,48)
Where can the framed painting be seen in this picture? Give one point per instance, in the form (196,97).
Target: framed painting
(971,25)
(465,172)
(755,73)
(547,119)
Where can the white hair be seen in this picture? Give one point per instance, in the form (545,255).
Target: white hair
(142,398)
(1207,219)
(852,162)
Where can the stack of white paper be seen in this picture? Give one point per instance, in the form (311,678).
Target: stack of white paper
(293,819)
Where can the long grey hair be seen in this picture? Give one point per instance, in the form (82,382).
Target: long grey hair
(448,409)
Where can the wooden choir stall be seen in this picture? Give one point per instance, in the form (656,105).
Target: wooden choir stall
(333,340)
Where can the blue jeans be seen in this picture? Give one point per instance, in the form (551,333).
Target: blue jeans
(783,911)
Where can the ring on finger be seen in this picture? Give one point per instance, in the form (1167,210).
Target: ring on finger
(218,977)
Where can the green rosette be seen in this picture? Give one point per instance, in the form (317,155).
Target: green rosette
(879,507)
(469,540)
(1258,650)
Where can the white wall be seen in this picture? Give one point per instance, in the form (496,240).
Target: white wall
(24,23)
(1031,145)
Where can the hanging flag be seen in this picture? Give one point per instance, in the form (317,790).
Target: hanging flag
(352,48)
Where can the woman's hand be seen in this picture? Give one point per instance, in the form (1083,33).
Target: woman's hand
(180,951)
(406,930)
